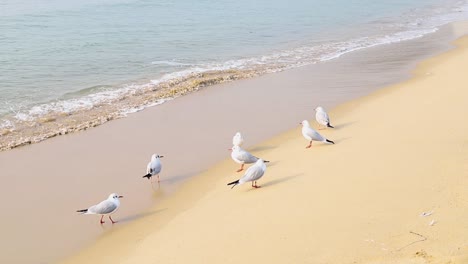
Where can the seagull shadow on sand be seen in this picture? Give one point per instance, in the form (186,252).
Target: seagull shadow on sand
(261,148)
(178,178)
(339,140)
(281,180)
(140,215)
(343,125)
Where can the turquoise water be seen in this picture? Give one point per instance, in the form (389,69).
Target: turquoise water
(65,57)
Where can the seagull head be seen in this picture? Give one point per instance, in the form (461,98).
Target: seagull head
(234,148)
(261,161)
(156,156)
(115,196)
(305,123)
(319,109)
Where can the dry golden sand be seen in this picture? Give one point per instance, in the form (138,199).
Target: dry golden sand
(399,152)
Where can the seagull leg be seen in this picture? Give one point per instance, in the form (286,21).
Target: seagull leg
(310,144)
(102,222)
(255,185)
(158,177)
(113,222)
(241,168)
(320,127)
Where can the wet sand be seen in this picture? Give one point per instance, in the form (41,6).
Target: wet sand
(45,183)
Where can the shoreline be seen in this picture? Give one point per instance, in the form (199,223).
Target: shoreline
(66,115)
(377,220)
(101,148)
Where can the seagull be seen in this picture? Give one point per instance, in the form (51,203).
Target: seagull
(312,135)
(242,156)
(322,117)
(106,207)
(153,167)
(237,140)
(254,173)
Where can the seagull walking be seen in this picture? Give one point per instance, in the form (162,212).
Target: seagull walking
(153,167)
(237,140)
(252,174)
(106,207)
(310,134)
(322,117)
(242,157)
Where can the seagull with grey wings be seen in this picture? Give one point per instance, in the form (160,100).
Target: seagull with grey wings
(322,117)
(242,157)
(106,207)
(252,174)
(310,134)
(153,167)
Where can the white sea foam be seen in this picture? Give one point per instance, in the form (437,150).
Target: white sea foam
(7,124)
(136,109)
(170,63)
(263,64)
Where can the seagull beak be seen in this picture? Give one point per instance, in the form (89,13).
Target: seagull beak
(230,149)
(161,156)
(266,161)
(120,196)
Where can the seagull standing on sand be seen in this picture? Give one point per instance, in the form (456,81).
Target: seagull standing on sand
(106,207)
(252,174)
(153,167)
(242,157)
(322,117)
(312,135)
(237,140)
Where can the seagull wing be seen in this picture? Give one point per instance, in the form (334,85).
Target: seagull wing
(156,166)
(322,118)
(104,207)
(314,134)
(246,157)
(148,168)
(252,174)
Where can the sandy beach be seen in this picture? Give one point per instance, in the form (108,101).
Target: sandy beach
(393,189)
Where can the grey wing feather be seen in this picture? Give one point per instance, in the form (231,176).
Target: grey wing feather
(253,173)
(157,168)
(104,207)
(154,167)
(247,157)
(148,168)
(316,135)
(322,118)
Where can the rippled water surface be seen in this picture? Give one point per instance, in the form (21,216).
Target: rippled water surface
(69,65)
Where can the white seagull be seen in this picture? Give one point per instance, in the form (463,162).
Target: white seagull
(322,117)
(312,135)
(106,207)
(252,174)
(237,140)
(242,157)
(153,167)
